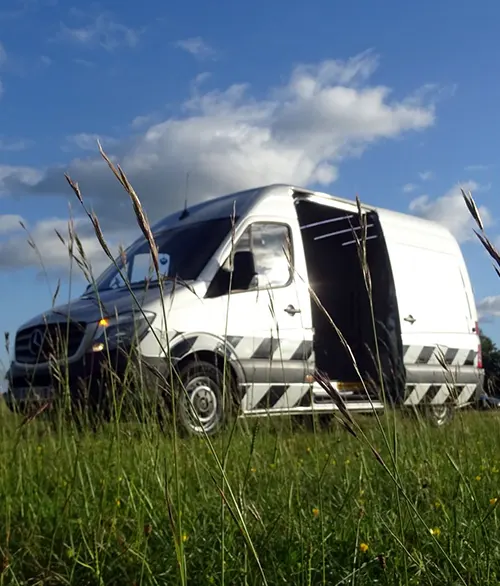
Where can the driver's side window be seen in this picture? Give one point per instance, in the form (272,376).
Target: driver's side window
(265,248)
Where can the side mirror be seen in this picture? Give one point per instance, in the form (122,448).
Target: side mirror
(244,273)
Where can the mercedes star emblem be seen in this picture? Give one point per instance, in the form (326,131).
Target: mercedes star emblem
(36,342)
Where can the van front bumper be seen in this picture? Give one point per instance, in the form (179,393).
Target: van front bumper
(88,377)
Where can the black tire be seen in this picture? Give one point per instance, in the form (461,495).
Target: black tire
(203,390)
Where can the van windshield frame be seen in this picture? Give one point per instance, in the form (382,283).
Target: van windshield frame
(184,250)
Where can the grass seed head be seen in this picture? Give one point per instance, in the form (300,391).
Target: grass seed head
(473,209)
(142,220)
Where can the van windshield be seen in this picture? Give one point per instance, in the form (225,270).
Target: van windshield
(183,253)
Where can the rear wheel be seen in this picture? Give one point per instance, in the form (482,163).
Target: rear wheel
(204,403)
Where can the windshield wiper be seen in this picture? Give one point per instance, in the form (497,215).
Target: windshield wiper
(134,286)
(143,284)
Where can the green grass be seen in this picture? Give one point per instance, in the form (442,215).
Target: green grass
(102,508)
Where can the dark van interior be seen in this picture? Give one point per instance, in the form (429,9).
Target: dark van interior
(332,240)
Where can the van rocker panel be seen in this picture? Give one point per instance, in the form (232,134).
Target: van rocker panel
(437,375)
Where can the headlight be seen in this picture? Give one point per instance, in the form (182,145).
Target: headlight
(122,330)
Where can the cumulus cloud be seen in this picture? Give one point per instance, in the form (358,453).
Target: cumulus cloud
(451,211)
(426,175)
(84,63)
(409,187)
(21,8)
(489,307)
(228,140)
(3,55)
(14,145)
(88,141)
(102,32)
(40,246)
(478,167)
(434,91)
(9,223)
(142,121)
(26,176)
(45,60)
(197,47)
(3,61)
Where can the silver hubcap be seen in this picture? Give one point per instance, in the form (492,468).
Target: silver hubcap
(203,406)
(439,412)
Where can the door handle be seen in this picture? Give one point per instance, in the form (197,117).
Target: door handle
(410,319)
(291,310)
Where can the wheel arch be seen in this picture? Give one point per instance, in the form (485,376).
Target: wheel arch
(211,357)
(208,348)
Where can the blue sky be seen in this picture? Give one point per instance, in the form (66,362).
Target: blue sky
(394,102)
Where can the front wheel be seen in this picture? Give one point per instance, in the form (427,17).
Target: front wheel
(204,401)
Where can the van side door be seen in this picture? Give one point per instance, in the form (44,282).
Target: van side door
(263,323)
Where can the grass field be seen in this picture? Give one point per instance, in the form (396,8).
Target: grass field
(128,505)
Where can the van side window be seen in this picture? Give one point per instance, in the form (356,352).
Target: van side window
(272,251)
(270,245)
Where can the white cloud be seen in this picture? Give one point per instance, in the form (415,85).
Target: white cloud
(426,175)
(9,223)
(15,145)
(433,92)
(409,188)
(17,250)
(103,31)
(3,61)
(141,121)
(3,55)
(201,78)
(489,307)
(228,140)
(196,46)
(45,60)
(88,142)
(21,8)
(83,63)
(478,167)
(451,211)
(28,177)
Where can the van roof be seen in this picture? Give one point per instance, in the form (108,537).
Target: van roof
(391,216)
(397,222)
(244,200)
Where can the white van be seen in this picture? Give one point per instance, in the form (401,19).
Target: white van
(273,246)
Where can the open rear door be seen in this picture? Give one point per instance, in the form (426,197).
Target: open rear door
(438,321)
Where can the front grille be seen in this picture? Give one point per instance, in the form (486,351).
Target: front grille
(45,342)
